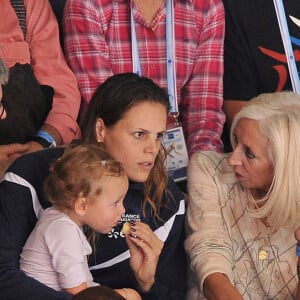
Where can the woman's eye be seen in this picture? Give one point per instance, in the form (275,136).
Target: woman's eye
(249,153)
(139,134)
(160,136)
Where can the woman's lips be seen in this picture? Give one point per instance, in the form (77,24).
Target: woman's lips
(146,165)
(239,176)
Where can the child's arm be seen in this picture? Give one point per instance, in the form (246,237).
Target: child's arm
(129,294)
(75,290)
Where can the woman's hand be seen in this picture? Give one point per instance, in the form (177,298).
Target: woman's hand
(145,248)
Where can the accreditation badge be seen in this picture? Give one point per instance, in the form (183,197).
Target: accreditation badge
(177,155)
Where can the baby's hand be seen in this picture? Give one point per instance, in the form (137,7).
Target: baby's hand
(133,295)
(129,294)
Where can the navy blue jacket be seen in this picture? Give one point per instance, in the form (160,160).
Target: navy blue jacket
(21,201)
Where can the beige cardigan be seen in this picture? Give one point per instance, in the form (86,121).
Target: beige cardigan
(223,237)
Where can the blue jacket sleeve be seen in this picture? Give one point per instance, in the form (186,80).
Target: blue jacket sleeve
(18,208)
(170,280)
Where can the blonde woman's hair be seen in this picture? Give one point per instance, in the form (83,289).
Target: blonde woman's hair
(278,118)
(80,172)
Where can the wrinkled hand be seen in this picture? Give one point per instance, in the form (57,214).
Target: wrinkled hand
(145,249)
(33,146)
(8,153)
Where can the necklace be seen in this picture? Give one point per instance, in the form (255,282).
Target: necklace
(262,253)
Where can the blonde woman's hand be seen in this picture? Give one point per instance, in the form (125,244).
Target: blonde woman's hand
(145,248)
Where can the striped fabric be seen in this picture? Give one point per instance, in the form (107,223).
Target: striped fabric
(20,10)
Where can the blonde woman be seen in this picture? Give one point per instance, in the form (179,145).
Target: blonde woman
(244,207)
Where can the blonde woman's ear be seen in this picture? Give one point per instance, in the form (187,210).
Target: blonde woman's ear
(80,206)
(100,130)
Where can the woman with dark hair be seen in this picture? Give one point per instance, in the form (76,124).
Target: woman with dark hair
(128,116)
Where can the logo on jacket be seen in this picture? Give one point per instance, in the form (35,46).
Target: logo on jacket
(127,217)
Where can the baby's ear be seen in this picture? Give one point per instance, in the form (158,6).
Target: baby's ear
(80,206)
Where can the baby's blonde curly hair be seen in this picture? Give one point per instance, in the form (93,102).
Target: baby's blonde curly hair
(80,172)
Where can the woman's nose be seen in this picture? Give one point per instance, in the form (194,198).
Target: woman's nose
(153,146)
(235,158)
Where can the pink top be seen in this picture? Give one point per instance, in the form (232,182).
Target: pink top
(42,50)
(56,252)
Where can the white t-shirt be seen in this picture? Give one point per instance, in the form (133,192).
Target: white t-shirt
(56,252)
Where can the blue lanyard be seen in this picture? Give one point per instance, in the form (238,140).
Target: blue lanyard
(170,56)
(287,45)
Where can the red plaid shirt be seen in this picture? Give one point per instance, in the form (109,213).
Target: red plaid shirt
(98,44)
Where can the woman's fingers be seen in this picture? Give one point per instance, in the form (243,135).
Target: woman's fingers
(144,233)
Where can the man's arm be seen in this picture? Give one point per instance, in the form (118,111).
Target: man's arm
(50,68)
(85,46)
(203,117)
(231,108)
